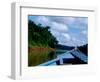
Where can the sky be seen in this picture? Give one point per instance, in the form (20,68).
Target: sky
(70,31)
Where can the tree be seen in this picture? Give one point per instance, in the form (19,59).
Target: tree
(40,35)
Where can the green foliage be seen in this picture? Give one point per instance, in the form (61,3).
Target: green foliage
(40,36)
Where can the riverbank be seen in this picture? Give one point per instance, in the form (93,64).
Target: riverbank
(40,49)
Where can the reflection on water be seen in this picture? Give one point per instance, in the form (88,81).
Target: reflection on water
(38,57)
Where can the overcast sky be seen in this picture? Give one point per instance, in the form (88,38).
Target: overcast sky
(70,31)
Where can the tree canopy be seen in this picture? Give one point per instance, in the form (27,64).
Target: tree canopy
(39,35)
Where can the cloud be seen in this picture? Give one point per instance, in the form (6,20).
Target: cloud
(64,38)
(67,36)
(59,27)
(75,22)
(44,21)
(84,32)
(63,20)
